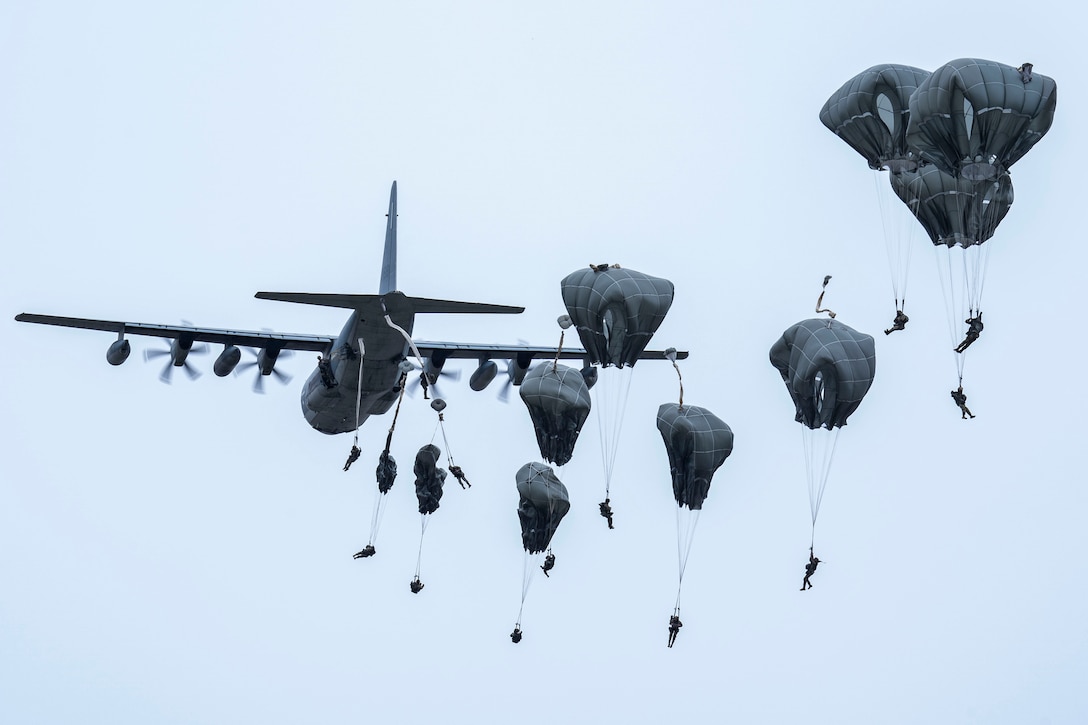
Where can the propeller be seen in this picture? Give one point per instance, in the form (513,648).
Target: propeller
(178,353)
(432,380)
(434,373)
(516,368)
(265,361)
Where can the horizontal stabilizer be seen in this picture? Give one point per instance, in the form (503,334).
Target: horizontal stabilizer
(418,304)
(347,302)
(422,304)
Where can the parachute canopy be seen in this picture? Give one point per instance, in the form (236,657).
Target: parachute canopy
(698,443)
(558,401)
(827,367)
(429,478)
(544,503)
(386,471)
(870,113)
(975,118)
(954,211)
(616,311)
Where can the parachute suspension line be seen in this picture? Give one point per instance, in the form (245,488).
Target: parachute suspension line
(819,454)
(899,232)
(355,452)
(527,577)
(396,413)
(424,519)
(954,303)
(614,388)
(820,299)
(376,518)
(980,262)
(962,274)
(359,392)
(403,382)
(564,321)
(670,354)
(685,536)
(379,502)
(530,564)
(445,441)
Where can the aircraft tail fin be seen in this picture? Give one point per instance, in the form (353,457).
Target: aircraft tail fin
(389,258)
(388,286)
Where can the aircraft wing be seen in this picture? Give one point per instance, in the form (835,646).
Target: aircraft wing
(454,350)
(314,343)
(282,341)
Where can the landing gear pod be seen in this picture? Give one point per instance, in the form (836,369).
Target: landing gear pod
(483,375)
(227,361)
(118,352)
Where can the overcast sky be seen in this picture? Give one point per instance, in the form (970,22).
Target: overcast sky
(182,554)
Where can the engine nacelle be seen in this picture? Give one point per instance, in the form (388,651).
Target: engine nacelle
(519,366)
(227,361)
(432,366)
(118,352)
(483,375)
(267,357)
(179,351)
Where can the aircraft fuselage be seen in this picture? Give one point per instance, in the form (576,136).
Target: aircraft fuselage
(366,389)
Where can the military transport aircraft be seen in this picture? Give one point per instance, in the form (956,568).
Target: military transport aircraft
(359,371)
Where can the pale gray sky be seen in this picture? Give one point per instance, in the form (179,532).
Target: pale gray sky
(182,553)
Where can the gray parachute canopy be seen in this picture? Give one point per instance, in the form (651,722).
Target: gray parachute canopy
(698,443)
(616,311)
(429,478)
(544,503)
(975,118)
(870,113)
(954,211)
(558,401)
(827,367)
(386,471)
